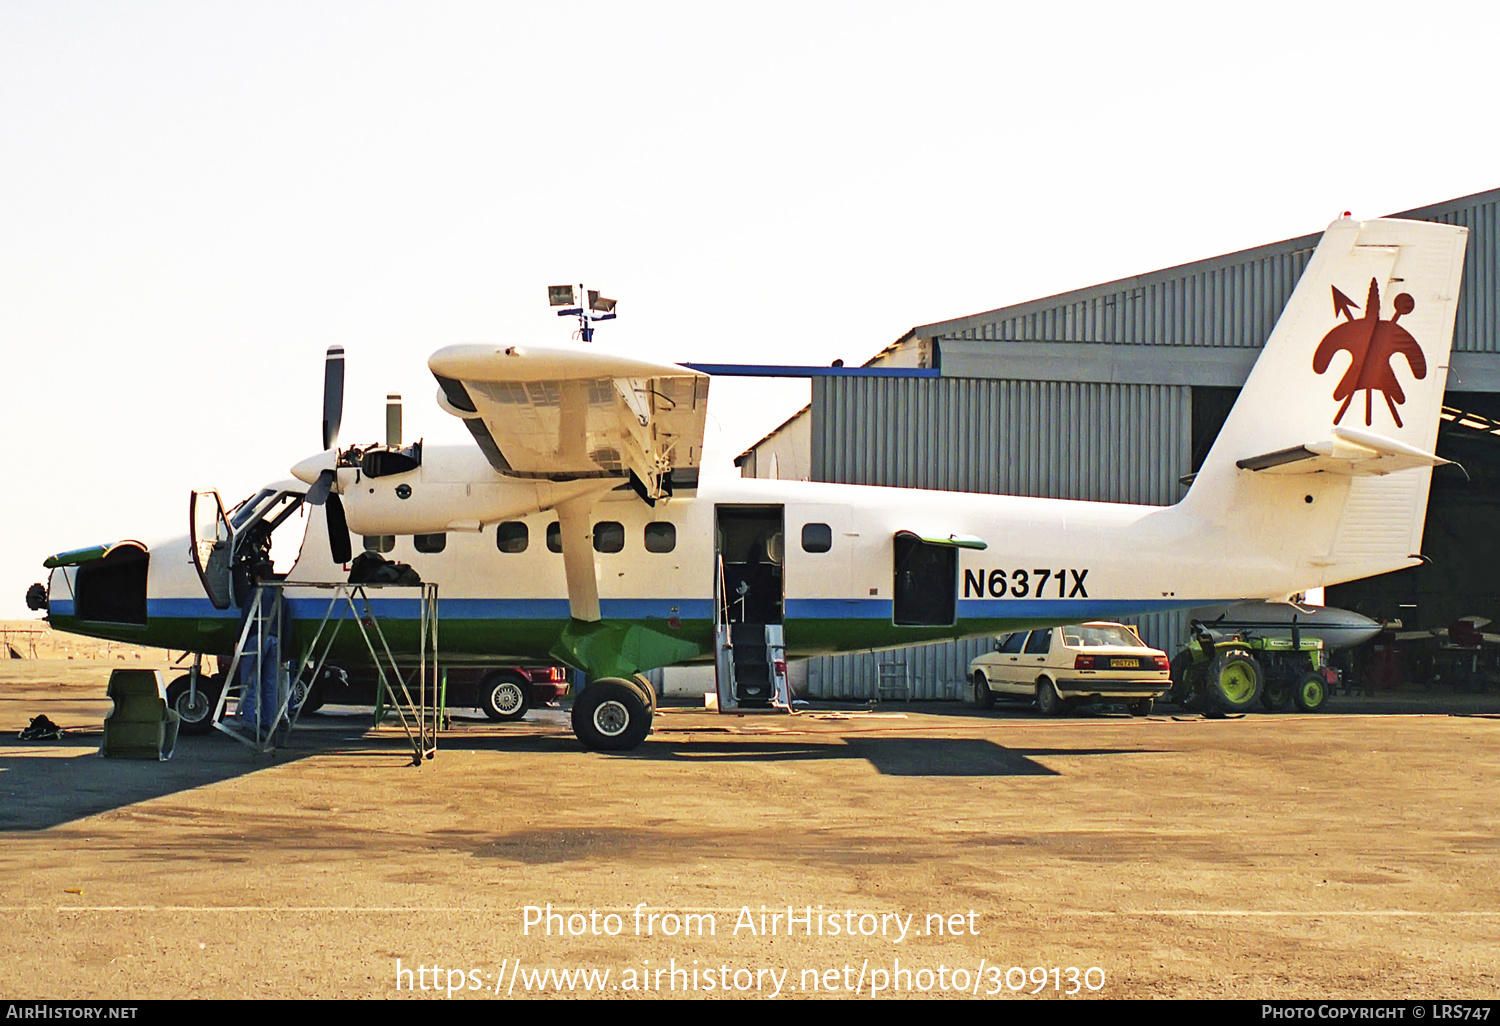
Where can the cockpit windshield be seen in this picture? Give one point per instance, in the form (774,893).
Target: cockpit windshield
(262,507)
(241,514)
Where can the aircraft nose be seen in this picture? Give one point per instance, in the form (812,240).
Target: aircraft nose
(308,470)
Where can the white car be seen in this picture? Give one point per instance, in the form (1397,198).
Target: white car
(1060,667)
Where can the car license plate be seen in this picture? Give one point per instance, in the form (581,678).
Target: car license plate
(1124,664)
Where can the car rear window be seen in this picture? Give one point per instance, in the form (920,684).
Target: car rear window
(1100,636)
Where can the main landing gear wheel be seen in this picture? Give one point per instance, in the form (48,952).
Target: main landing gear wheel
(1311,694)
(648,692)
(503,697)
(194,708)
(611,715)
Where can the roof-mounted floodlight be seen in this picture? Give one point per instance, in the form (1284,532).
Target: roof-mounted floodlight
(599,308)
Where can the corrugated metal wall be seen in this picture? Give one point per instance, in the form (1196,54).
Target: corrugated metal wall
(1095,441)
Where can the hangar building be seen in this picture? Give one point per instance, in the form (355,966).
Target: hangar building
(1115,393)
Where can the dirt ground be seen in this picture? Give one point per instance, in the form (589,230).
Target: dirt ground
(1349,854)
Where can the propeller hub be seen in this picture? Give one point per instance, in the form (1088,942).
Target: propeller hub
(308,470)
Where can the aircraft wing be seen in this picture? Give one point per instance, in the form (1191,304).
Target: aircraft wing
(570,413)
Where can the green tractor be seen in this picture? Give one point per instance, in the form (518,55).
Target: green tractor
(1220,674)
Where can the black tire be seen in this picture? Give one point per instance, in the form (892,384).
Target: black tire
(1048,701)
(195,711)
(310,698)
(984,698)
(648,692)
(1141,707)
(1276,695)
(503,696)
(1311,693)
(1181,694)
(1233,684)
(611,716)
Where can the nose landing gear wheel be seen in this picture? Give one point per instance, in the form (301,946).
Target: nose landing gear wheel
(611,716)
(195,708)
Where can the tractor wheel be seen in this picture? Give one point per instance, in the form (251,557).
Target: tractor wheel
(1233,682)
(1311,693)
(1183,675)
(1276,695)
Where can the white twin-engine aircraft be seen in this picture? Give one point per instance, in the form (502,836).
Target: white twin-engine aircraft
(574,530)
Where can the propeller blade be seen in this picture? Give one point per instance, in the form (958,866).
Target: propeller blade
(318,493)
(333,396)
(338,530)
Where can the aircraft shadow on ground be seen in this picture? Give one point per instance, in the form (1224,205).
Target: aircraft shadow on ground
(891,756)
(39,791)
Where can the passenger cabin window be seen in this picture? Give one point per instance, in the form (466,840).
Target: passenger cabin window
(430,542)
(926,583)
(661,536)
(554,537)
(513,536)
(816,537)
(609,536)
(379,542)
(1039,642)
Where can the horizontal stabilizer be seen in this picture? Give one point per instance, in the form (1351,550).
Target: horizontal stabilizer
(1351,451)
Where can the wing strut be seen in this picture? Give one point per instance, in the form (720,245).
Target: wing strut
(575,521)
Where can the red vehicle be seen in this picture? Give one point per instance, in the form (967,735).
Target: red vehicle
(503,693)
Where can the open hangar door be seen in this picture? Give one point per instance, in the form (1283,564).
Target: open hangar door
(1460,537)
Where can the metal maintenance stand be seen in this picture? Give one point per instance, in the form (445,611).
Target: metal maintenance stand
(262,697)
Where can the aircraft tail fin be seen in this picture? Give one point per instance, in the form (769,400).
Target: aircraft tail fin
(1327,456)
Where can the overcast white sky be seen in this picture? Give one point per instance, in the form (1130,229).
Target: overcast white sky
(196,199)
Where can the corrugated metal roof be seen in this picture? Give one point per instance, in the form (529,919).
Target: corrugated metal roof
(1232,300)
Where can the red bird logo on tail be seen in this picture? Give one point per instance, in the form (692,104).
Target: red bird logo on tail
(1372,343)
